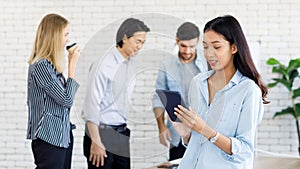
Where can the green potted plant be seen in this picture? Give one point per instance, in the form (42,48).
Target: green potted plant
(288,73)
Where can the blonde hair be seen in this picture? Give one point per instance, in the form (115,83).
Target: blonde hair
(48,41)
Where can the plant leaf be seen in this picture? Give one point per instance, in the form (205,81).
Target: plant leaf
(273,61)
(296,93)
(284,82)
(297,113)
(286,111)
(270,85)
(294,64)
(293,74)
(281,70)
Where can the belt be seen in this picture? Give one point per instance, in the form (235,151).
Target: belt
(118,128)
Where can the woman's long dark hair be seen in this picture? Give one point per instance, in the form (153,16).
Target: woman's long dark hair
(231,30)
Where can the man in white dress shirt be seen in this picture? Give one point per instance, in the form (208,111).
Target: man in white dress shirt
(106,142)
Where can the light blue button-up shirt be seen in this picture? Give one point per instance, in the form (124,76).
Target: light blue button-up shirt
(110,86)
(235,112)
(171,76)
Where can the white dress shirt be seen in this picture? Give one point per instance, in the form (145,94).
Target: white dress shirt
(110,86)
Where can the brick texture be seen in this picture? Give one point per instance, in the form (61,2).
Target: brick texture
(272,23)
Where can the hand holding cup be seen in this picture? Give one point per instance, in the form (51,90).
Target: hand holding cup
(71,48)
(74,53)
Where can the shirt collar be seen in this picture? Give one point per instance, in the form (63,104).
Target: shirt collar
(234,80)
(118,55)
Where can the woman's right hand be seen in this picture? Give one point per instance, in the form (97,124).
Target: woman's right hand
(74,54)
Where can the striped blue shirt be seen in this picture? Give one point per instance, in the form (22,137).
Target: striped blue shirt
(49,101)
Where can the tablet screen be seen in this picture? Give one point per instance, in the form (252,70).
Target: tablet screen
(170,100)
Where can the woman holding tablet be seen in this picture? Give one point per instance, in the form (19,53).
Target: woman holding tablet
(226,103)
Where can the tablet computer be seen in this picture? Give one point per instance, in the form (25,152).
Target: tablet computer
(170,100)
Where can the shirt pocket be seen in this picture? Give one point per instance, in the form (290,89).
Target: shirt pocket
(229,112)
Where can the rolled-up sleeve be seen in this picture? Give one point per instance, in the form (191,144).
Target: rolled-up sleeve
(95,93)
(45,76)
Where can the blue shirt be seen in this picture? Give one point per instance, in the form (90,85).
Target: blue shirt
(235,112)
(49,102)
(110,86)
(171,76)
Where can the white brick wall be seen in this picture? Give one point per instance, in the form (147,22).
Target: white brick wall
(274,23)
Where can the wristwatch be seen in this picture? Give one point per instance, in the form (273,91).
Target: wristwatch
(214,139)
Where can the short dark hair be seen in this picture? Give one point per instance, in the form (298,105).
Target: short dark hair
(128,28)
(187,31)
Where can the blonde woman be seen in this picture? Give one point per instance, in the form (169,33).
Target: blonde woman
(50,96)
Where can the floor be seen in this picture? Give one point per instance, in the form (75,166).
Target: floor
(267,162)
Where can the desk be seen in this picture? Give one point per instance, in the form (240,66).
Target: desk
(263,162)
(276,163)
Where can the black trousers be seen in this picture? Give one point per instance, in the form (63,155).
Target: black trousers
(176,152)
(117,149)
(48,156)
